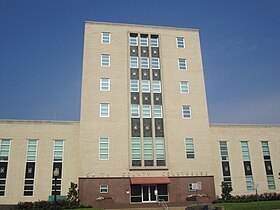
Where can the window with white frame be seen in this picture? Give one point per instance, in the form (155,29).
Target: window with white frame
(146,111)
(189,148)
(182,63)
(144,63)
(58,150)
(180,42)
(104,110)
(133,62)
(144,40)
(145,86)
(157,111)
(186,111)
(136,151)
(105,38)
(160,151)
(104,84)
(104,148)
(184,87)
(134,85)
(105,60)
(148,151)
(135,111)
(156,86)
(4,157)
(154,41)
(155,63)
(133,40)
(103,188)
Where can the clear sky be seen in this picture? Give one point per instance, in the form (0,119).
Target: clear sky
(41,46)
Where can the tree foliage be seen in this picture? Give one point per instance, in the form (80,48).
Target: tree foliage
(226,190)
(73,195)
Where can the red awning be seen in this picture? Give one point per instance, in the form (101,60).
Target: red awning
(149,180)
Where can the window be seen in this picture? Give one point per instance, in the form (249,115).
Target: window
(133,40)
(223,150)
(186,111)
(270,182)
(144,63)
(133,62)
(245,151)
(58,150)
(104,148)
(144,40)
(135,112)
(31,150)
(148,152)
(180,42)
(105,60)
(145,86)
(104,110)
(104,84)
(103,188)
(154,41)
(146,111)
(157,111)
(4,156)
(249,182)
(134,86)
(184,87)
(4,149)
(105,38)
(182,64)
(155,63)
(265,148)
(136,151)
(192,187)
(189,148)
(160,151)
(146,193)
(156,86)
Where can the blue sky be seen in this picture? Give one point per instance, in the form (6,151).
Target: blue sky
(41,46)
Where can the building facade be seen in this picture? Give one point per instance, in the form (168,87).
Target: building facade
(144,133)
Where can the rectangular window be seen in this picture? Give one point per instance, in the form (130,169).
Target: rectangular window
(157,111)
(133,40)
(105,60)
(146,111)
(136,151)
(154,41)
(104,148)
(186,111)
(270,182)
(184,87)
(103,188)
(58,150)
(245,151)
(223,150)
(144,40)
(148,152)
(155,63)
(135,112)
(249,183)
(156,86)
(105,38)
(180,42)
(146,193)
(145,86)
(4,157)
(104,84)
(133,62)
(4,149)
(144,63)
(104,110)
(134,85)
(265,149)
(189,148)
(182,64)
(31,150)
(160,151)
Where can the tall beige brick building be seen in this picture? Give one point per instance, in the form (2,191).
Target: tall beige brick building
(143,133)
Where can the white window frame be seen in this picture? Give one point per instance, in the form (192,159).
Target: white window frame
(55,145)
(188,109)
(133,38)
(155,63)
(107,114)
(104,37)
(144,43)
(156,86)
(134,86)
(146,111)
(157,111)
(189,151)
(104,62)
(135,111)
(146,87)
(153,42)
(103,187)
(132,60)
(184,87)
(180,42)
(144,63)
(29,150)
(182,64)
(104,85)
(107,148)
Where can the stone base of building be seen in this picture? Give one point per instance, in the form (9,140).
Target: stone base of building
(145,192)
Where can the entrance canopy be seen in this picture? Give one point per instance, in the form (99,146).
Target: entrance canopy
(149,180)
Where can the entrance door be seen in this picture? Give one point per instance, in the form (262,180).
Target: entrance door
(148,193)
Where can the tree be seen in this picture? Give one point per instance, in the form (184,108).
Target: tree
(226,190)
(73,195)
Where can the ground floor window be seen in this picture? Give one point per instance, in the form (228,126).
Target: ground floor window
(146,193)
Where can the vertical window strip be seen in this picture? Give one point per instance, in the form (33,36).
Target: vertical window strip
(189,148)
(148,151)
(57,163)
(225,159)
(104,148)
(31,150)
(105,38)
(58,150)
(265,149)
(136,151)
(4,157)
(270,182)
(249,183)
(144,40)
(245,151)
(160,149)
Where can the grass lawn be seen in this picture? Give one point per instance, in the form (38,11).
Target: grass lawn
(263,205)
